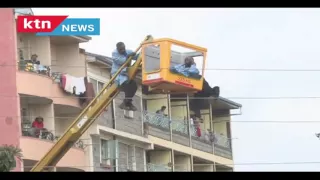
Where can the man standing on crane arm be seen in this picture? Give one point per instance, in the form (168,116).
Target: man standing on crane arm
(129,87)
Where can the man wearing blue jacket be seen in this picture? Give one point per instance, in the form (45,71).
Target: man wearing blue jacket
(129,87)
(189,69)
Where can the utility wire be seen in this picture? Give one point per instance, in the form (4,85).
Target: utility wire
(214,69)
(217,164)
(139,123)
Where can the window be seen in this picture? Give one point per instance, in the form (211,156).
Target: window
(26,122)
(109,151)
(100,86)
(25,117)
(179,54)
(152,58)
(97,85)
(105,153)
(131,158)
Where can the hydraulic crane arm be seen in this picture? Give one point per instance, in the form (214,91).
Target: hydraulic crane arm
(87,116)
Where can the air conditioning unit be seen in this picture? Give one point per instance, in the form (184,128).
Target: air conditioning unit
(128,114)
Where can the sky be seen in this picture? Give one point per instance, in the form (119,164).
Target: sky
(240,39)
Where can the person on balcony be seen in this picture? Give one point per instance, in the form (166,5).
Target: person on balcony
(41,69)
(32,63)
(196,125)
(129,87)
(161,114)
(34,59)
(189,69)
(38,126)
(162,111)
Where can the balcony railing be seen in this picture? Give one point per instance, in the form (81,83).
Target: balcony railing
(158,120)
(163,121)
(222,141)
(203,135)
(38,133)
(36,66)
(210,137)
(45,134)
(157,168)
(28,66)
(180,126)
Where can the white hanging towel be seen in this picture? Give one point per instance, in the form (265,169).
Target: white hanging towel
(78,82)
(69,84)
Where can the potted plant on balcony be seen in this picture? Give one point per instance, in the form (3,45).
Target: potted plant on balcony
(8,155)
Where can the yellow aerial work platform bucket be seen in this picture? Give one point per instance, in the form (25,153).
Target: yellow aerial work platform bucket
(158,59)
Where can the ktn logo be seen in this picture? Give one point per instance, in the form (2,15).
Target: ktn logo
(58,25)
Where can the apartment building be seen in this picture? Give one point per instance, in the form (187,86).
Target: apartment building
(118,140)
(32,89)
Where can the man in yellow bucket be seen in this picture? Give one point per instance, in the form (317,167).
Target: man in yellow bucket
(189,69)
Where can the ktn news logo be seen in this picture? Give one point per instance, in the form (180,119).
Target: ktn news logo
(58,25)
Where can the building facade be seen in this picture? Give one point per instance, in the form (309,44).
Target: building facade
(146,141)
(118,140)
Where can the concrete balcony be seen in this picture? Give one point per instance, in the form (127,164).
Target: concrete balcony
(43,86)
(61,54)
(34,149)
(213,143)
(159,160)
(56,56)
(201,165)
(36,142)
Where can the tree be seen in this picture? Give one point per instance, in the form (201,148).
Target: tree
(8,155)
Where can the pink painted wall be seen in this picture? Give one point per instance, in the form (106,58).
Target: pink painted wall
(48,89)
(75,157)
(10,123)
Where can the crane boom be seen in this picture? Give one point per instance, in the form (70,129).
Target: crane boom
(87,116)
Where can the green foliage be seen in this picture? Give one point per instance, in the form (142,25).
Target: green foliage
(8,153)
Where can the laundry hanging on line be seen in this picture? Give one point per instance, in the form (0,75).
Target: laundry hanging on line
(73,85)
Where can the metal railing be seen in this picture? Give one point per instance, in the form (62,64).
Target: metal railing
(222,141)
(39,69)
(203,135)
(28,66)
(210,137)
(45,134)
(35,67)
(163,121)
(38,133)
(182,127)
(158,120)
